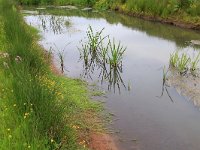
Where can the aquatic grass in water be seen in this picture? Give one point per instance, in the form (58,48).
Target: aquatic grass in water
(100,52)
(174,58)
(116,52)
(183,63)
(194,64)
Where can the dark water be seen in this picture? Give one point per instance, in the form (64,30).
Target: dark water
(144,120)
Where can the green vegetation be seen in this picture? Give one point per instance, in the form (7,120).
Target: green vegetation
(184,63)
(194,64)
(38,110)
(184,13)
(99,52)
(116,53)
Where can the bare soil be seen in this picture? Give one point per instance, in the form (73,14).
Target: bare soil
(187,85)
(101,141)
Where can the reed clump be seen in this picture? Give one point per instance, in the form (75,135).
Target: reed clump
(99,51)
(184,63)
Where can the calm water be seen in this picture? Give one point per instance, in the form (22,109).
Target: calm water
(143,120)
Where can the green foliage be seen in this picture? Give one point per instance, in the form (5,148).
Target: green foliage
(116,53)
(194,64)
(184,63)
(174,58)
(37,108)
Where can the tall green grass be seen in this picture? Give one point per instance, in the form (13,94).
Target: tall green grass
(36,107)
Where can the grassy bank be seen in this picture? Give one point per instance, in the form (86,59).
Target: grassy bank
(38,110)
(183,13)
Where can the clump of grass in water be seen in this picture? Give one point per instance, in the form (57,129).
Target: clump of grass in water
(174,58)
(184,63)
(116,53)
(180,62)
(98,51)
(194,64)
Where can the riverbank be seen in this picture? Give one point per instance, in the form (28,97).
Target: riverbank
(187,85)
(184,14)
(38,109)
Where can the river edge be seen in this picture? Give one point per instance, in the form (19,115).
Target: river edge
(95,140)
(175,20)
(170,21)
(187,85)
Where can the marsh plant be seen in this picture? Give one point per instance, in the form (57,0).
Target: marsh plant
(116,53)
(183,63)
(174,58)
(61,55)
(194,64)
(106,55)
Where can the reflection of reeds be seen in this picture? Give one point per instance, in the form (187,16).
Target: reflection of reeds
(164,85)
(55,23)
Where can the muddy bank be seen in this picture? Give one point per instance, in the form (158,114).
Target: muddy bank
(170,21)
(187,85)
(101,141)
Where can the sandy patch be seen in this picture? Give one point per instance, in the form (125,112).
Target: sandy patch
(187,85)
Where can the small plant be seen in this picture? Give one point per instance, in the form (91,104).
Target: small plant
(61,55)
(94,39)
(116,53)
(194,63)
(183,63)
(174,58)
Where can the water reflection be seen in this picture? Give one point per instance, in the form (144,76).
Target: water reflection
(107,74)
(181,37)
(55,24)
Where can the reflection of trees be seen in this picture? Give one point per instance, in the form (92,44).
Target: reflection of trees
(167,32)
